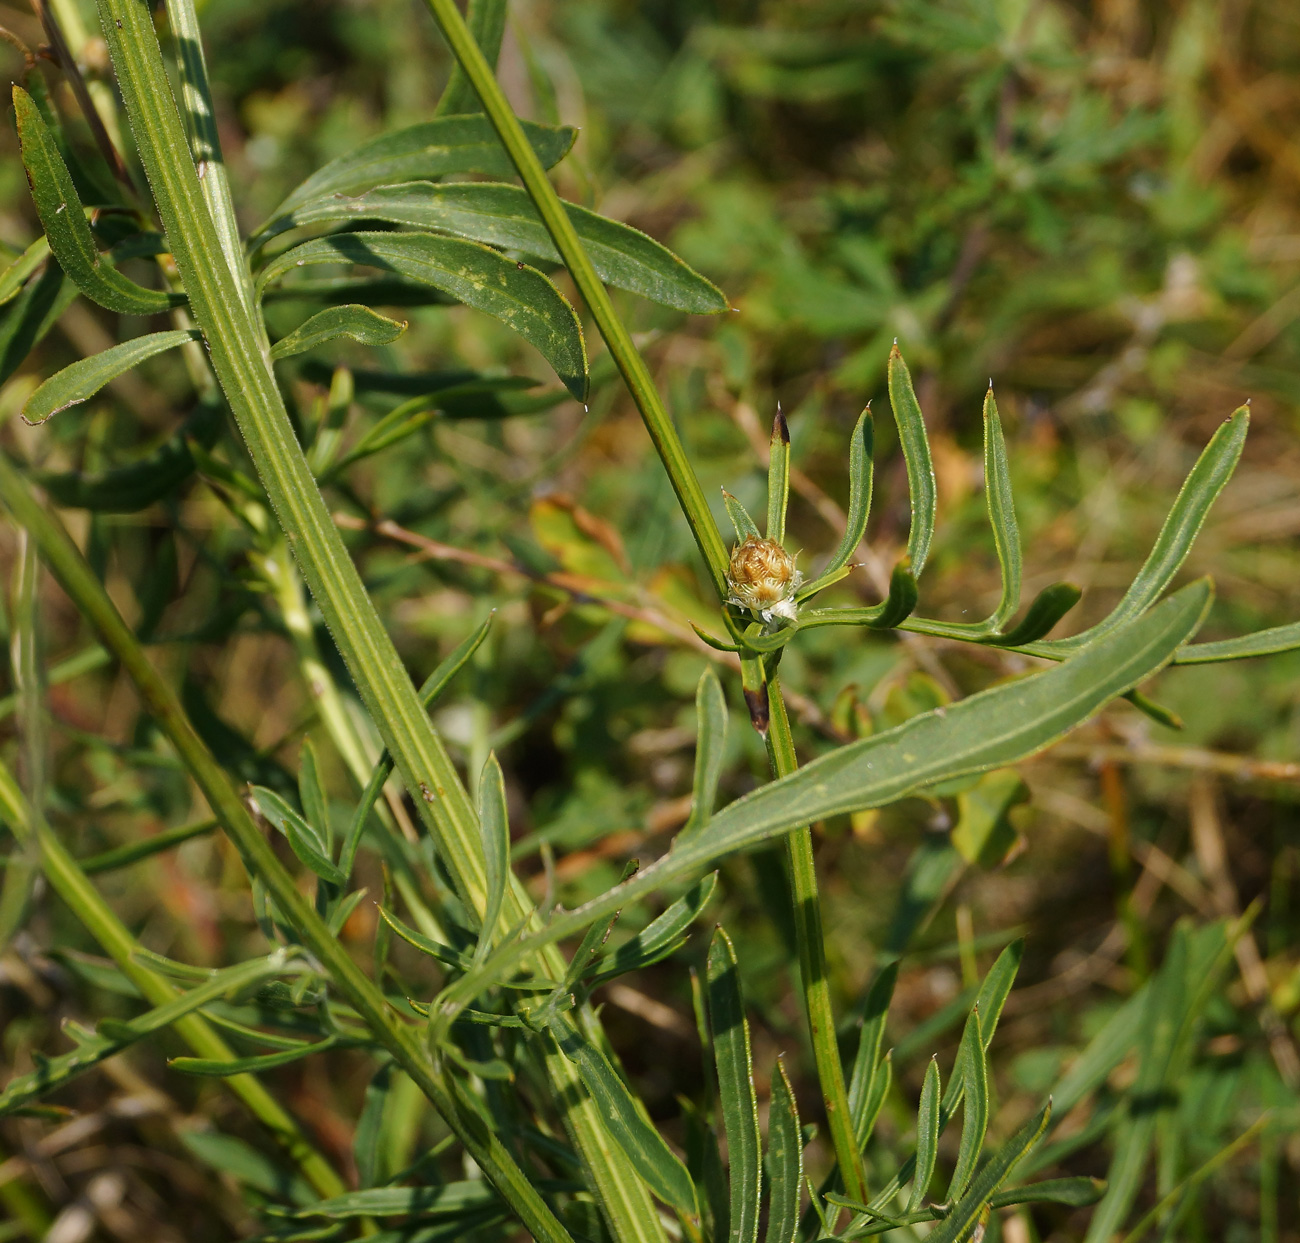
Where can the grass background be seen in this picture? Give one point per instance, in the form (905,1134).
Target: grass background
(1095,205)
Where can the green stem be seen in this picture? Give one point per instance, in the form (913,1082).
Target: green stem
(85,590)
(84,900)
(617,338)
(812,958)
(237,347)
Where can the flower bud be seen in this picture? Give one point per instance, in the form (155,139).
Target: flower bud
(763,578)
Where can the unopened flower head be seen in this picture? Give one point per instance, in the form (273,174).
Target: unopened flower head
(763,579)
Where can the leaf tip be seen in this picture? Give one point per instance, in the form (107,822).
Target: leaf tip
(780,427)
(760,714)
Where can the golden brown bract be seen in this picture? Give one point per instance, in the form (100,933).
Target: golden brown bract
(763,578)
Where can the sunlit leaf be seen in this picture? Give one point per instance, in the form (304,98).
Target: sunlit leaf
(520,296)
(455,144)
(927,1137)
(778,478)
(730,1032)
(503,216)
(359,323)
(63,217)
(784,1161)
(916,453)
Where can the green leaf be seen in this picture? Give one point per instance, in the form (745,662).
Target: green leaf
(664,1174)
(462,144)
(861,450)
(442,1200)
(115,1035)
(63,217)
(486,20)
(660,937)
(1200,490)
(133,852)
(307,841)
(1002,514)
(444,954)
(784,1161)
(989,730)
(367,1143)
(503,216)
(966,1214)
(83,379)
(927,1137)
(730,1033)
(867,1065)
(494,833)
(973,1068)
(31,315)
(130,488)
(996,988)
(1261,643)
(710,749)
(16,274)
(778,477)
(1073,1192)
(428,694)
(242,1161)
(983,833)
(221,1068)
(1046,609)
(916,454)
(740,519)
(311,794)
(891,612)
(520,296)
(358,322)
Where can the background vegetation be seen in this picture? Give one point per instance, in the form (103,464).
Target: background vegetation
(1095,205)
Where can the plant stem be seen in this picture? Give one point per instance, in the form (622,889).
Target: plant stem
(237,346)
(85,590)
(617,338)
(812,958)
(691,497)
(83,899)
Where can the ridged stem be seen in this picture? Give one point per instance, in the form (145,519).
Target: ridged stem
(806,903)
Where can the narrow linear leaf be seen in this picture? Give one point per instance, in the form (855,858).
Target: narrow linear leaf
(784,1161)
(494,833)
(116,1035)
(778,478)
(444,954)
(916,454)
(731,1053)
(358,322)
(1261,643)
(710,749)
(519,296)
(31,315)
(15,276)
(251,1065)
(311,795)
(1002,515)
(867,1064)
(861,451)
(307,841)
(428,694)
(83,379)
(486,20)
(975,1104)
(664,1174)
(368,1140)
(745,526)
(64,220)
(992,729)
(996,988)
(504,216)
(660,937)
(443,1200)
(927,1137)
(891,612)
(458,144)
(966,1213)
(1200,490)
(1074,1192)
(1045,610)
